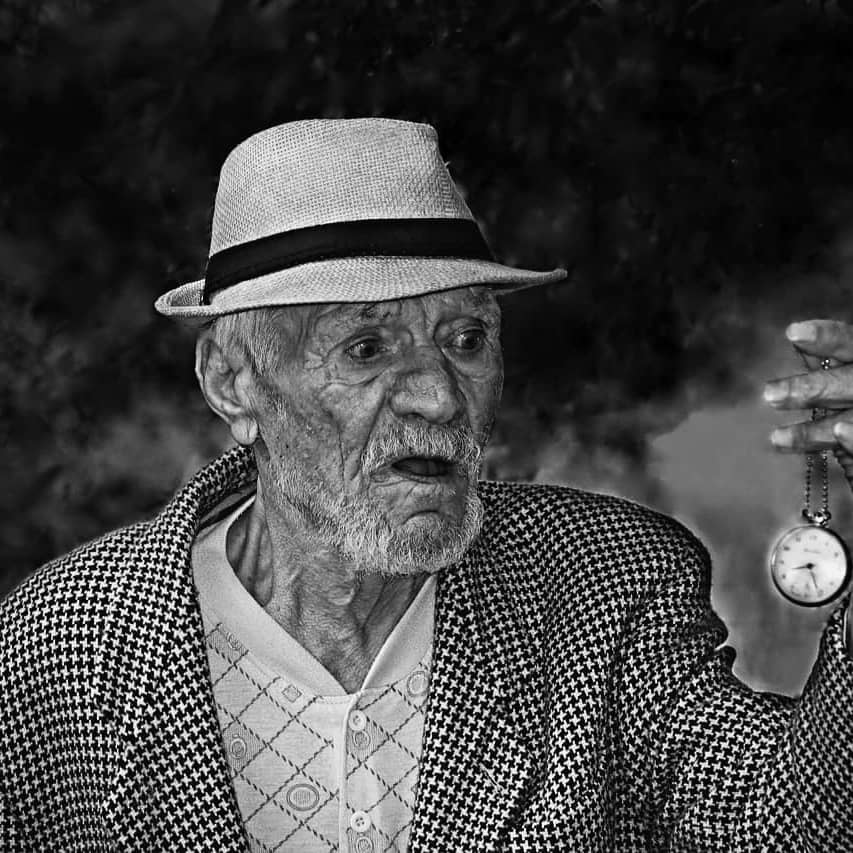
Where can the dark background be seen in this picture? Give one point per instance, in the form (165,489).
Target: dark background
(691,162)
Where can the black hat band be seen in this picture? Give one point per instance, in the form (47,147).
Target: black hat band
(423,238)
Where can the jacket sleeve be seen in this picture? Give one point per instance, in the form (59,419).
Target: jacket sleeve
(705,762)
(11,837)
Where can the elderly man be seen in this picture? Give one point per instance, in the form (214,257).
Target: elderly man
(335,638)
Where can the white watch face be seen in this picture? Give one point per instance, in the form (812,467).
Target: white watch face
(810,566)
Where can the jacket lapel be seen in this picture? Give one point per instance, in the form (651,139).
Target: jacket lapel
(477,764)
(170,787)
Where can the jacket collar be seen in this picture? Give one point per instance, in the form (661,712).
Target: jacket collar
(478,759)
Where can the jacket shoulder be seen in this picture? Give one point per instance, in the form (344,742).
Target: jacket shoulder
(63,603)
(552,525)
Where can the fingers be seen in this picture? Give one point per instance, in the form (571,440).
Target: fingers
(830,390)
(822,389)
(823,338)
(830,433)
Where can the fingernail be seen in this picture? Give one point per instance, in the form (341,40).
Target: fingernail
(801,333)
(843,432)
(774,393)
(780,438)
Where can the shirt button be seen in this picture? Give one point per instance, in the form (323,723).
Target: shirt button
(238,747)
(364,844)
(417,683)
(360,821)
(361,740)
(357,721)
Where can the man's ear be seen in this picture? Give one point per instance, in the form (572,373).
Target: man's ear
(226,383)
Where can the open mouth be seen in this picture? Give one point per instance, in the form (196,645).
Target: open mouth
(423,466)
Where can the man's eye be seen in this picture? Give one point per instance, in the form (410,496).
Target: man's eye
(470,340)
(365,349)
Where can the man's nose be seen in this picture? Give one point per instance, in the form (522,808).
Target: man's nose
(426,388)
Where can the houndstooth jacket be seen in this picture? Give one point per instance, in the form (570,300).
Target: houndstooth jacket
(580,697)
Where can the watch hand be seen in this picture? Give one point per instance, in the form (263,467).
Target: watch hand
(808,566)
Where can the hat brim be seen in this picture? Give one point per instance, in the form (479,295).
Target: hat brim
(367,279)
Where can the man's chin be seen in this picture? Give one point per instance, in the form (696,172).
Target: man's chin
(425,541)
(421,557)
(444,521)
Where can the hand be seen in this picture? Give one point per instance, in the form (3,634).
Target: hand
(830,389)
(823,389)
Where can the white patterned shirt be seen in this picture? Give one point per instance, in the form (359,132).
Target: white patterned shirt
(313,767)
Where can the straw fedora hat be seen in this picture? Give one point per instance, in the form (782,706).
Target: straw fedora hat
(349,210)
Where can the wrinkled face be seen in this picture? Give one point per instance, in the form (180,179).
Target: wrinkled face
(375,421)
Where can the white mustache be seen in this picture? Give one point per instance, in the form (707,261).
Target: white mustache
(452,443)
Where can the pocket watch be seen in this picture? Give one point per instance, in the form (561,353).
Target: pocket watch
(810,564)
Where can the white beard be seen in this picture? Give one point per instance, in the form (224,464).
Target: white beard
(358,529)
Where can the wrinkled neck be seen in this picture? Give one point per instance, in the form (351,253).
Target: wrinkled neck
(339,615)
